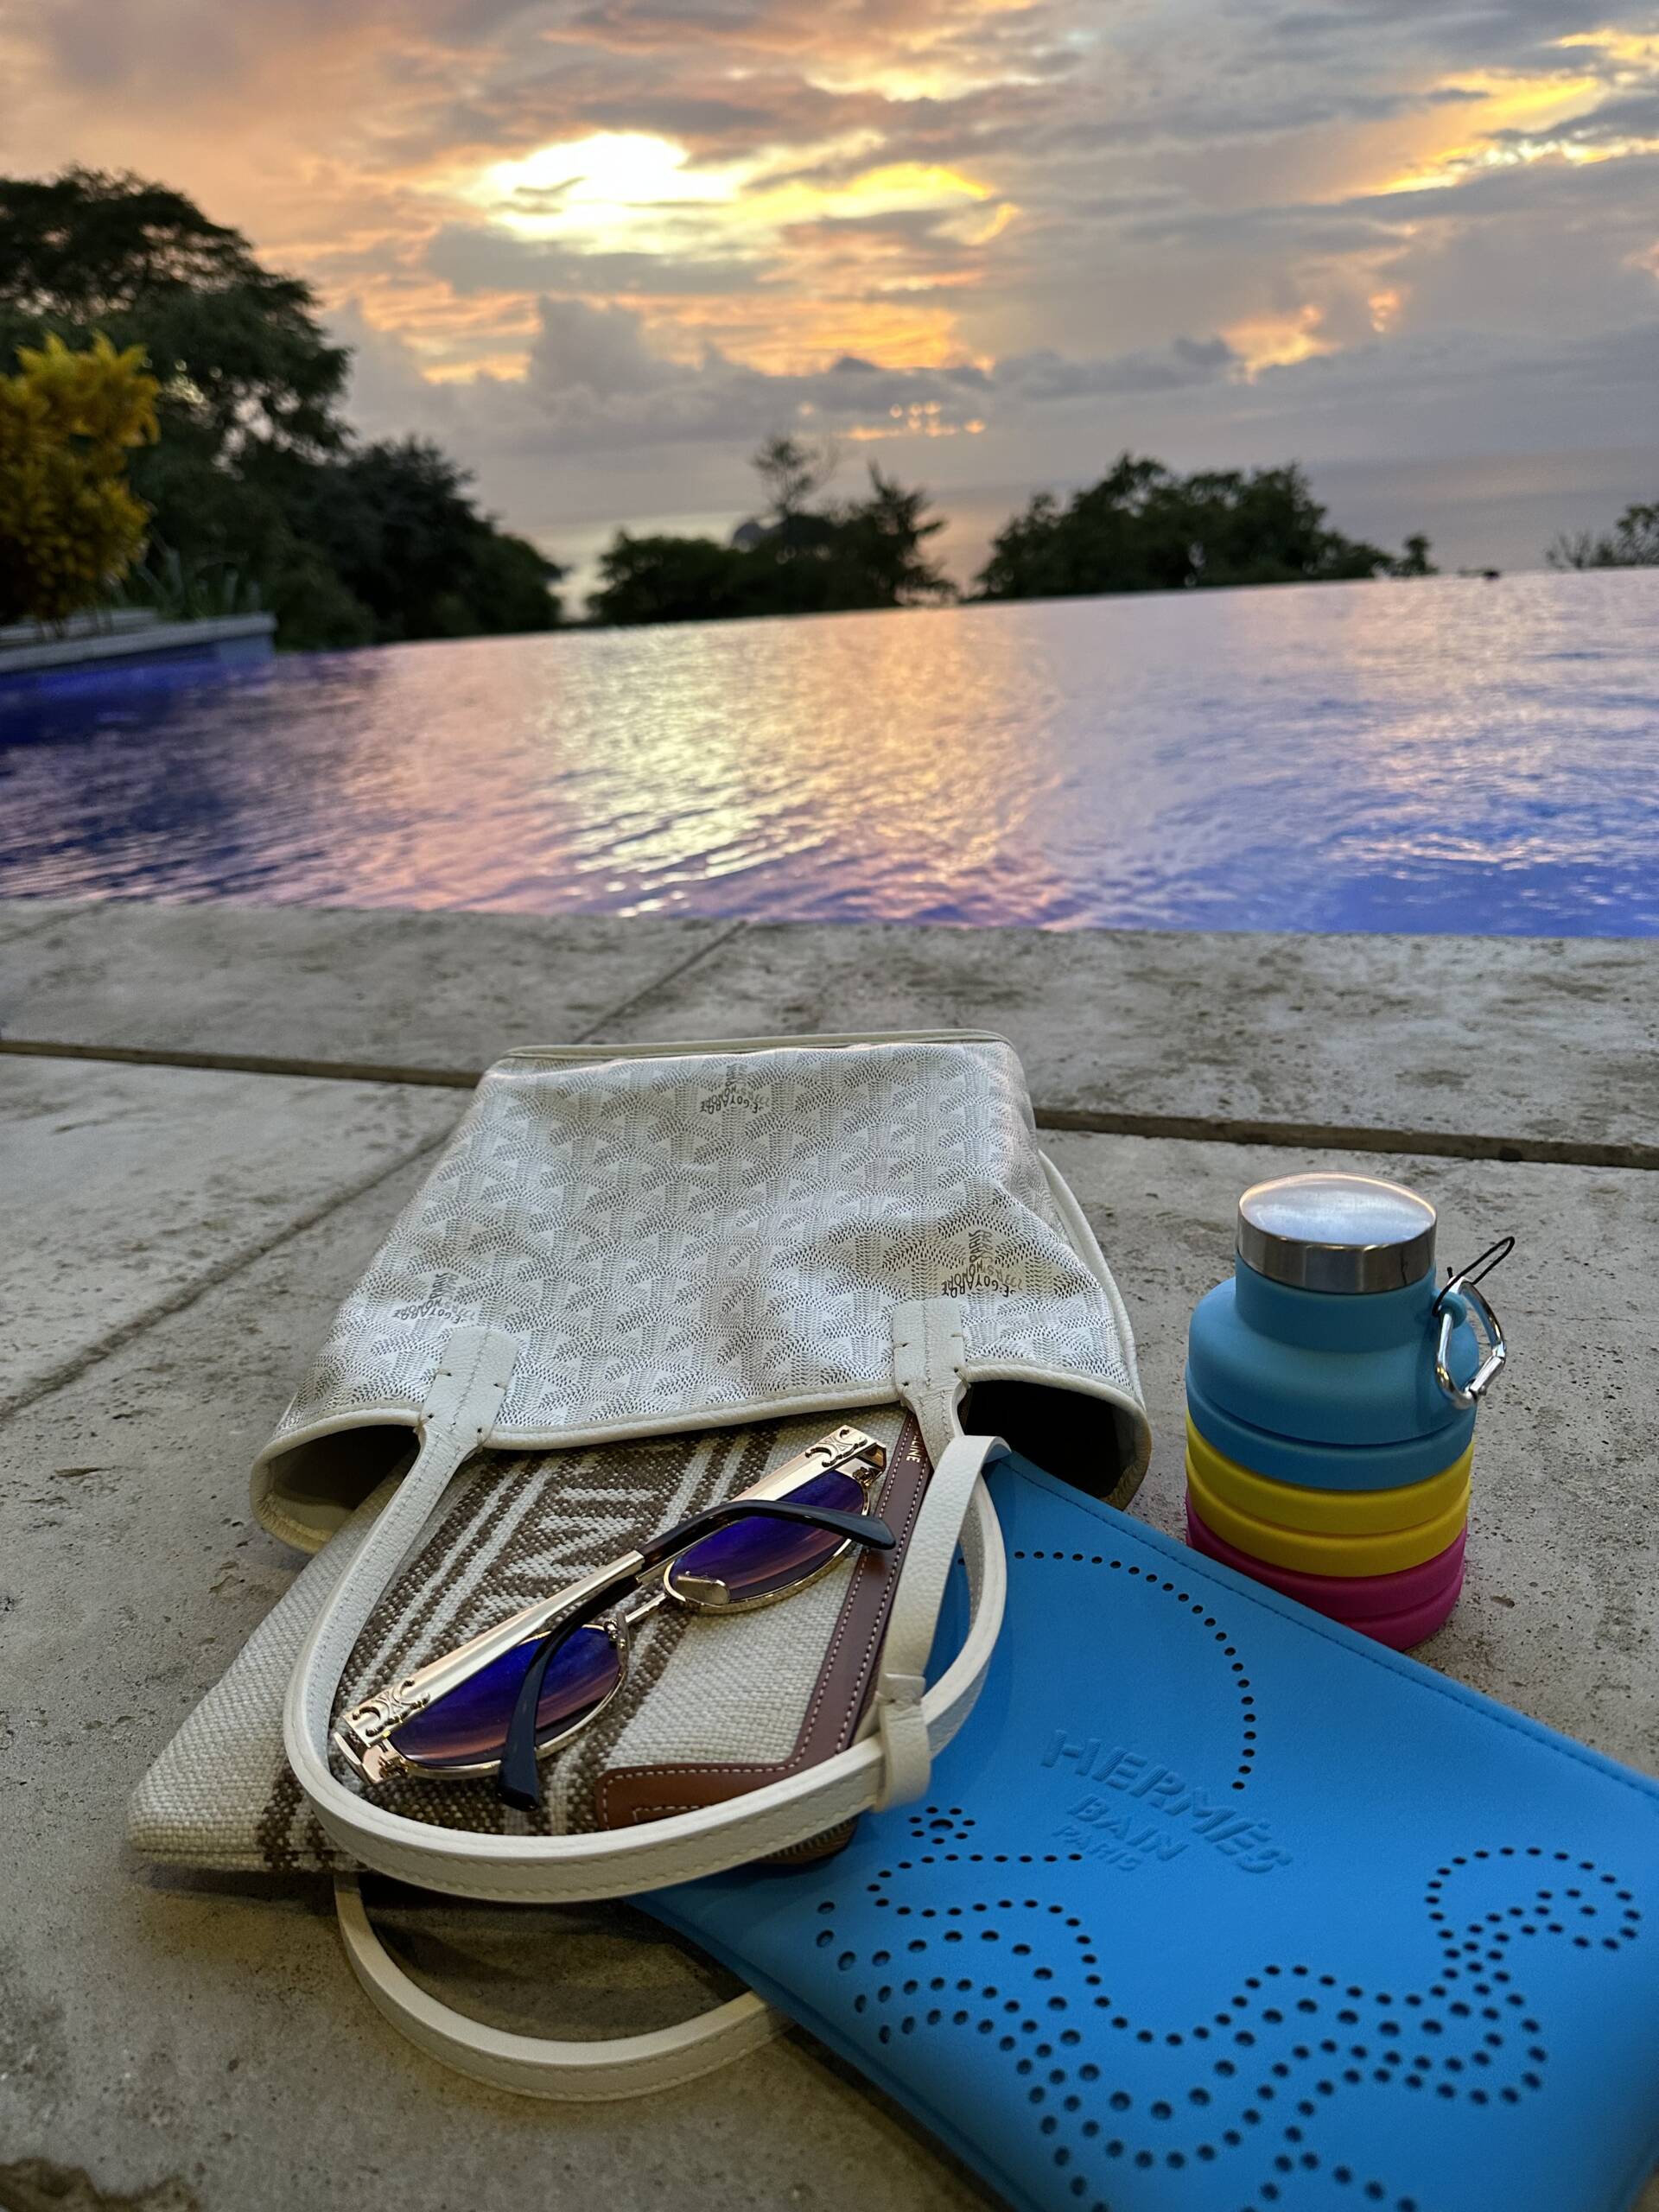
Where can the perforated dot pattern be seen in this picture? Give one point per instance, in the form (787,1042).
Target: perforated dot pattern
(1257,2074)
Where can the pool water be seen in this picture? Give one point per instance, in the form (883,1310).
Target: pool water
(1444,755)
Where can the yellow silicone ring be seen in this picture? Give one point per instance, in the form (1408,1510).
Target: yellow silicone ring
(1385,1553)
(1331,1512)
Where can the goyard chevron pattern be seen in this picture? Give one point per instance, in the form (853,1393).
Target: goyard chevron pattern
(670,1238)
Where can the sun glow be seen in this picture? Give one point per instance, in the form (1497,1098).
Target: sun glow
(630,191)
(603,184)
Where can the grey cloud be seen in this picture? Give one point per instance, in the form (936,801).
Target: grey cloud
(595,383)
(1369,220)
(1037,378)
(599,352)
(1024,125)
(714,116)
(718,115)
(594,378)
(1483,390)
(794,27)
(1298,226)
(594,387)
(1496,33)
(177,46)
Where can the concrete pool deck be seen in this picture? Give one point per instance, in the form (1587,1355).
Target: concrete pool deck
(210,1115)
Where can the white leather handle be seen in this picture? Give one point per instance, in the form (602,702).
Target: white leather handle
(535,2066)
(898,1712)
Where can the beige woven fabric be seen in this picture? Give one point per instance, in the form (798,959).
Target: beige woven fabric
(511,1527)
(220,1795)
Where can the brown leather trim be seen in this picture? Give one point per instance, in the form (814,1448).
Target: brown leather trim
(630,1794)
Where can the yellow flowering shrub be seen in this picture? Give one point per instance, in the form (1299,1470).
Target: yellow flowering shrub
(70,523)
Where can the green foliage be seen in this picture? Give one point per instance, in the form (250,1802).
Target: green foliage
(70,525)
(1633,543)
(863,553)
(244,365)
(1143,528)
(186,591)
(256,473)
(394,524)
(670,580)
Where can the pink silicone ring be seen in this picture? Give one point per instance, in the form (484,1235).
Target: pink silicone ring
(1362,1600)
(1401,1630)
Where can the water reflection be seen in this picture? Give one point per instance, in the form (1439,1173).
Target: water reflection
(1439,756)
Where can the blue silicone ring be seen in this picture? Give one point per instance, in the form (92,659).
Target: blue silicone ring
(1329,1466)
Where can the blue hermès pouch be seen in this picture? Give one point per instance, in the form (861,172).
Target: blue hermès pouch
(1215,1906)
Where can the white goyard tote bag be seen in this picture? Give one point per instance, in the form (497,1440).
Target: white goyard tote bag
(624,1257)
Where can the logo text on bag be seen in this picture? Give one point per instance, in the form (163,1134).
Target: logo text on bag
(982,1266)
(732,1092)
(1145,1810)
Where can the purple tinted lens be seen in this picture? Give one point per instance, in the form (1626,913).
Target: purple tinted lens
(468,1724)
(756,1558)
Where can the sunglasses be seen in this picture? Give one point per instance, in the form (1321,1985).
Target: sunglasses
(511,1697)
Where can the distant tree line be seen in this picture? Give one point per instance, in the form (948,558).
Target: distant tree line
(1142,528)
(257,491)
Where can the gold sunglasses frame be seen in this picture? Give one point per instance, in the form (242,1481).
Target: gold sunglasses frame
(362,1735)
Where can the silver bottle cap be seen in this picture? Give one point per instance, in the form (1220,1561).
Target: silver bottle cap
(1339,1233)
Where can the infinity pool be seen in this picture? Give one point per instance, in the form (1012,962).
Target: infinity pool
(1439,756)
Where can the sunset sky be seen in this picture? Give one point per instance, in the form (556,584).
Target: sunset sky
(598,247)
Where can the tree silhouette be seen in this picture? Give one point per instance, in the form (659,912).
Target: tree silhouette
(792,472)
(807,560)
(1143,528)
(1633,543)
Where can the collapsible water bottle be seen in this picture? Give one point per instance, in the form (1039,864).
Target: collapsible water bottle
(1330,1393)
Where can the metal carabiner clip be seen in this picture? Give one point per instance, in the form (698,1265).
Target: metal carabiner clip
(1452,1306)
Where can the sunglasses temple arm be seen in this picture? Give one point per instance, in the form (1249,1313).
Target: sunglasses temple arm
(864,1529)
(519,1780)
